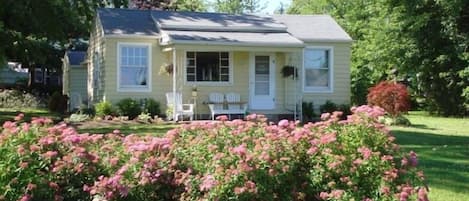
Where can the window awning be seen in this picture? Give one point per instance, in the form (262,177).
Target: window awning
(170,37)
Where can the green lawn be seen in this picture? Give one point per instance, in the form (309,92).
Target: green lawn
(442,145)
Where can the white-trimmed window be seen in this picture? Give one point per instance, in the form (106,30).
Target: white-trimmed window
(318,63)
(134,67)
(208,67)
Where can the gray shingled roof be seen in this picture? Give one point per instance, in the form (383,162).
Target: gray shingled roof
(196,21)
(312,28)
(219,28)
(127,22)
(76,57)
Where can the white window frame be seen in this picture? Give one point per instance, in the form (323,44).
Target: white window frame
(330,87)
(210,83)
(149,81)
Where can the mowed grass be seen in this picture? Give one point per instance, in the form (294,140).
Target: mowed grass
(442,145)
(8,114)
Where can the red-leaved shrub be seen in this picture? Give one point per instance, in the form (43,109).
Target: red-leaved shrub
(391,96)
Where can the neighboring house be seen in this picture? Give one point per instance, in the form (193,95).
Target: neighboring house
(217,52)
(75,78)
(12,74)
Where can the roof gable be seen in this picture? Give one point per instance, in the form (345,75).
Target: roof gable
(76,57)
(313,28)
(126,22)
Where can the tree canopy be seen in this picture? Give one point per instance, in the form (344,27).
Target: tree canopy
(421,43)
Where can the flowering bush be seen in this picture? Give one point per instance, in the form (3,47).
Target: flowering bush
(392,97)
(225,160)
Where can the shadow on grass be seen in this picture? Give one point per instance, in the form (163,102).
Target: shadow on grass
(10,115)
(443,158)
(421,126)
(157,130)
(419,138)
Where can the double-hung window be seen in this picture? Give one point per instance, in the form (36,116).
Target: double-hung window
(208,67)
(134,67)
(317,69)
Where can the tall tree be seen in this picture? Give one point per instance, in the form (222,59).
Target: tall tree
(179,5)
(423,43)
(32,31)
(237,6)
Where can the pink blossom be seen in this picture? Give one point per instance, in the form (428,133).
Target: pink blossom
(222,118)
(283,123)
(24,165)
(116,131)
(26,127)
(366,152)
(328,138)
(26,197)
(208,182)
(337,194)
(240,150)
(325,116)
(422,195)
(413,161)
(324,195)
(19,117)
(50,154)
(54,185)
(251,117)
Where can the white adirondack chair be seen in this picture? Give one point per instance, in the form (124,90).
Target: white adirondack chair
(235,106)
(216,103)
(181,109)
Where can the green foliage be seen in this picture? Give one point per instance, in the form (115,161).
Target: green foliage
(237,6)
(104,108)
(226,160)
(308,111)
(151,107)
(423,43)
(58,103)
(18,99)
(129,107)
(328,107)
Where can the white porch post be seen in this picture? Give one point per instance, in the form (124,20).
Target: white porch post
(174,83)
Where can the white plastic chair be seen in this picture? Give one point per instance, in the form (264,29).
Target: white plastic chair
(181,109)
(216,103)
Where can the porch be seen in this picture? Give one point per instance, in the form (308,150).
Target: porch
(255,73)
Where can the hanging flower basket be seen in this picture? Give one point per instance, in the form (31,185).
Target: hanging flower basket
(166,69)
(289,71)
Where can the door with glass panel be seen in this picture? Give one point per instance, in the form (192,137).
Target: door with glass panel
(262,82)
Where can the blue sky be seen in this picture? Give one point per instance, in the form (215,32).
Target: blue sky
(272,5)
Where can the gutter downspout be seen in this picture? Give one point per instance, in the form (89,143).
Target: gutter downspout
(174,84)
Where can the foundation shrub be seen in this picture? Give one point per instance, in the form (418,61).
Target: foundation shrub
(333,159)
(104,108)
(129,107)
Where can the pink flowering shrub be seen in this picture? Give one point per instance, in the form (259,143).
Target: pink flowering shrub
(225,160)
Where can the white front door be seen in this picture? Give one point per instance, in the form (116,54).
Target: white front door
(262,82)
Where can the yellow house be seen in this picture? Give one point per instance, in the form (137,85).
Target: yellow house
(145,54)
(75,77)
